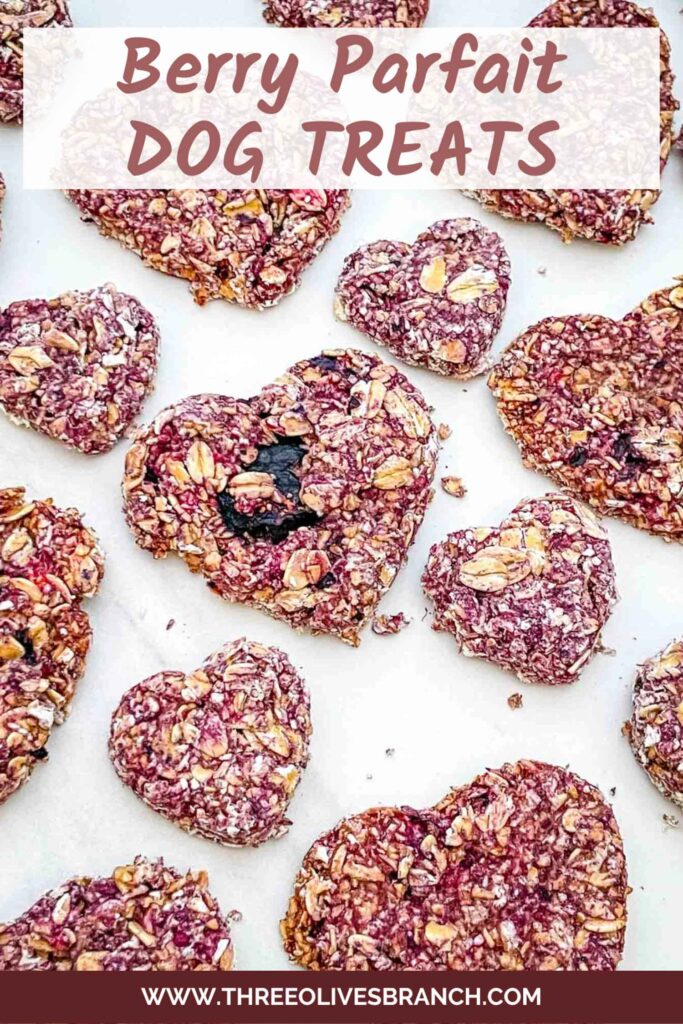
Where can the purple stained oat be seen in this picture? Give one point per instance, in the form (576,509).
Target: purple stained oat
(346,13)
(246,246)
(437,303)
(15,16)
(655,730)
(531,595)
(595,404)
(77,367)
(144,917)
(219,752)
(613,216)
(522,869)
(302,501)
(49,562)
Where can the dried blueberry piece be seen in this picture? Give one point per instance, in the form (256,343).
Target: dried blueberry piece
(280,460)
(578,456)
(24,639)
(329,363)
(623,449)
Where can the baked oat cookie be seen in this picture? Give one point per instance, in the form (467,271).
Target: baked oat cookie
(522,869)
(531,595)
(49,562)
(219,752)
(346,13)
(609,216)
(438,303)
(144,917)
(655,730)
(595,404)
(302,501)
(248,246)
(15,16)
(78,367)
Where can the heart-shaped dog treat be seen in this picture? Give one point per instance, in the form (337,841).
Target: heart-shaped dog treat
(49,561)
(77,367)
(219,752)
(144,917)
(302,501)
(602,215)
(346,13)
(15,16)
(656,727)
(532,595)
(523,869)
(437,303)
(246,246)
(595,404)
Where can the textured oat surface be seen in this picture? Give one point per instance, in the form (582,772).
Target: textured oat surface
(49,562)
(77,367)
(531,595)
(346,13)
(15,16)
(245,246)
(609,216)
(219,752)
(522,869)
(302,501)
(595,404)
(437,303)
(144,917)
(655,730)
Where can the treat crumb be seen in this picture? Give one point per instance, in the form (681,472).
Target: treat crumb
(670,820)
(390,751)
(454,486)
(515,701)
(444,431)
(389,625)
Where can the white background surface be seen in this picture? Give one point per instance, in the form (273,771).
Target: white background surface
(446,717)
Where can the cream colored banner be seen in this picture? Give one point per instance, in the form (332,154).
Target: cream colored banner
(430,108)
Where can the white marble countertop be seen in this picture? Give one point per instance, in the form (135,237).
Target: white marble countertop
(443,717)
